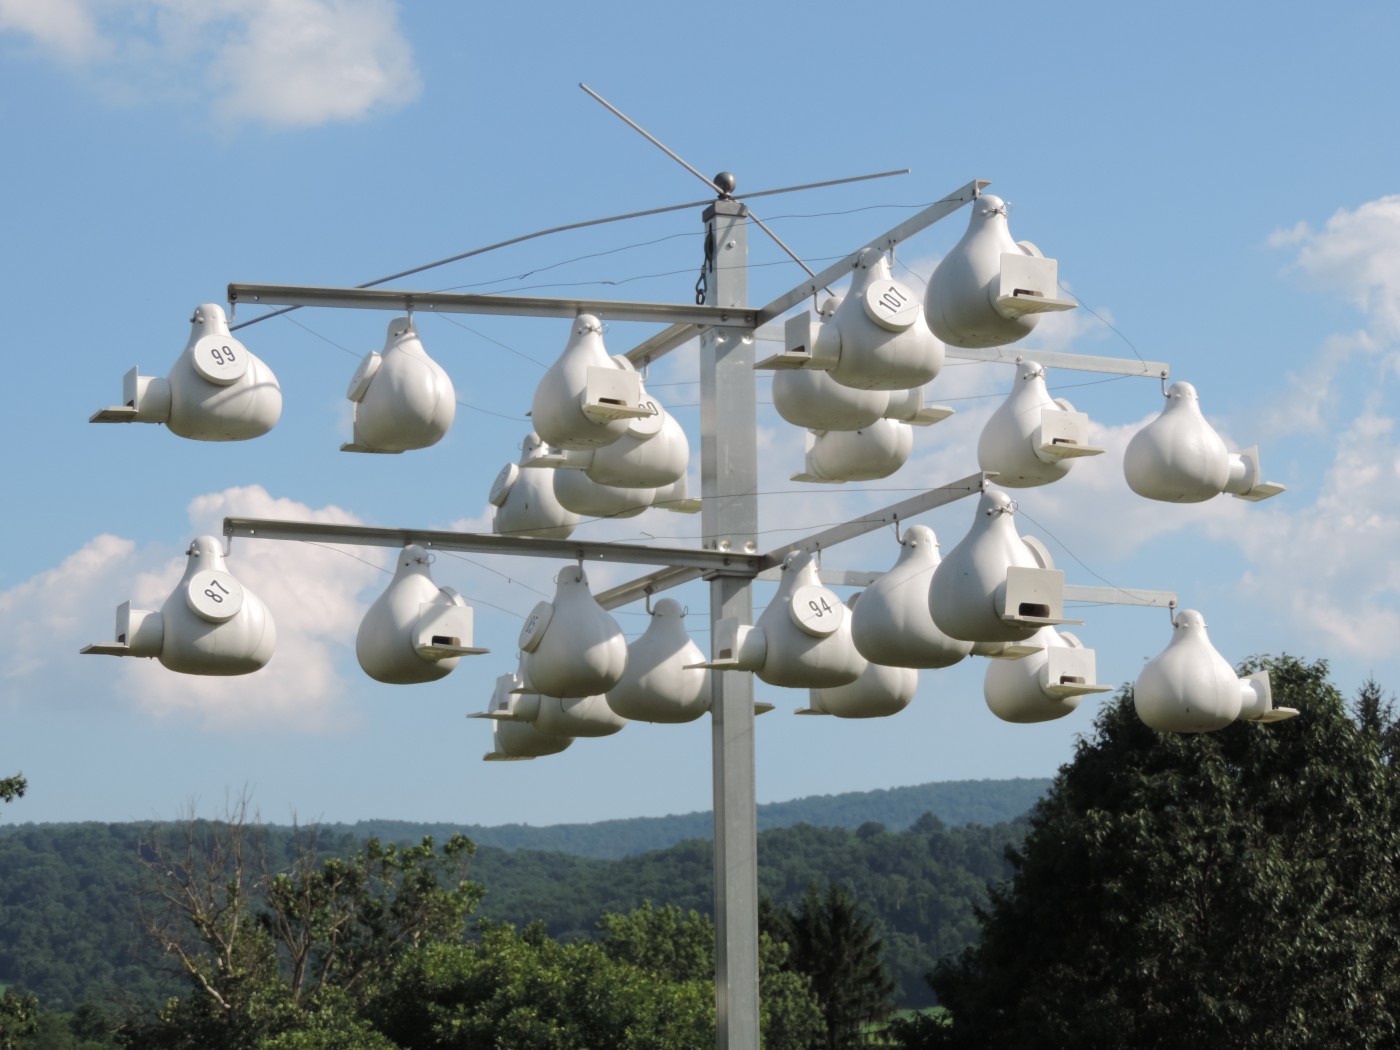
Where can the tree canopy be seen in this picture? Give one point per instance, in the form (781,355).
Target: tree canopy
(12,788)
(1238,888)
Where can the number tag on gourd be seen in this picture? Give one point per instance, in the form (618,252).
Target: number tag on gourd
(359,382)
(816,610)
(535,625)
(891,305)
(214,596)
(648,425)
(500,488)
(220,359)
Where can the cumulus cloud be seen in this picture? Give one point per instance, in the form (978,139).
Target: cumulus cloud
(63,28)
(1330,567)
(1355,254)
(285,63)
(1331,564)
(45,616)
(311,591)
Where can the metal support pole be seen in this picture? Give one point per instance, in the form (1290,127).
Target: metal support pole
(729,521)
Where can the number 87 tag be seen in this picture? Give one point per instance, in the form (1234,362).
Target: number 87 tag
(214,596)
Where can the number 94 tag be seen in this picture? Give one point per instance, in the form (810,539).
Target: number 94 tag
(214,596)
(816,610)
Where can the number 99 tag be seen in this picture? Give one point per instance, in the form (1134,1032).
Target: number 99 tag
(816,610)
(891,305)
(220,359)
(214,596)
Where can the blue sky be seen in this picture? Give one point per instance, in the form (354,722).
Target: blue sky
(1218,182)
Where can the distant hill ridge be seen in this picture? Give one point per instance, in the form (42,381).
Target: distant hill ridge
(955,802)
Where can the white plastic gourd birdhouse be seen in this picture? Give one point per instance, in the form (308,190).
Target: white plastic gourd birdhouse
(579,716)
(1179,458)
(1190,688)
(1045,685)
(586,398)
(661,682)
(583,716)
(1031,439)
(874,337)
(210,625)
(994,586)
(403,399)
(990,290)
(512,738)
(579,493)
(807,397)
(892,624)
(572,647)
(879,692)
(216,390)
(810,398)
(415,631)
(652,452)
(803,638)
(876,451)
(525,501)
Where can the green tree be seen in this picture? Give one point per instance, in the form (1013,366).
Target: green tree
(1239,888)
(289,954)
(680,946)
(526,991)
(838,948)
(18,1018)
(12,788)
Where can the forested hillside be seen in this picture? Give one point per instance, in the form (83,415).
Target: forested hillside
(954,802)
(71,896)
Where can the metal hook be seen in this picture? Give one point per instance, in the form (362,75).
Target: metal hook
(897,537)
(1171,612)
(647,600)
(1164,385)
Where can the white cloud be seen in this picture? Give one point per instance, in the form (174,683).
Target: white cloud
(311,591)
(43,618)
(306,62)
(285,63)
(64,27)
(1356,254)
(1330,566)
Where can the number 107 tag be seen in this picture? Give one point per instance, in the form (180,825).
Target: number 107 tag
(891,305)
